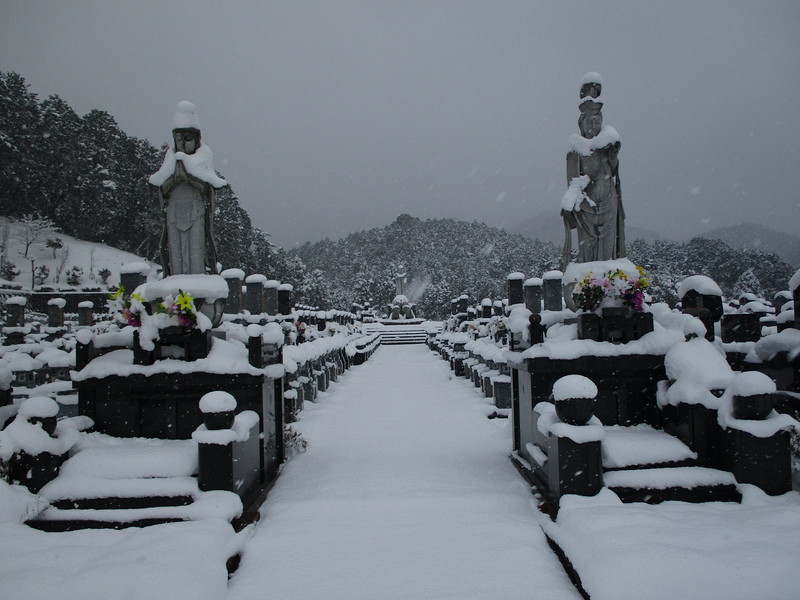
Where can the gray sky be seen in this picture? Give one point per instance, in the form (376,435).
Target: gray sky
(332,116)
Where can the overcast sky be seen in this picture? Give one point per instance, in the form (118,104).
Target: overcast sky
(332,116)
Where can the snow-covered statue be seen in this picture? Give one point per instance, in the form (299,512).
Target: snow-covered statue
(592,203)
(401,304)
(187,183)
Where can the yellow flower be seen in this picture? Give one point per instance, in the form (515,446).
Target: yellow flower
(138,297)
(184,301)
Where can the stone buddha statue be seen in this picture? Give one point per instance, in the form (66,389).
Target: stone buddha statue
(186,183)
(593,202)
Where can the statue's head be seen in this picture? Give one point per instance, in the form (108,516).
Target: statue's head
(186,140)
(591,120)
(186,128)
(591,85)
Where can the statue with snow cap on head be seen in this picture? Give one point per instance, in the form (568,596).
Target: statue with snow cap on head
(186,183)
(593,201)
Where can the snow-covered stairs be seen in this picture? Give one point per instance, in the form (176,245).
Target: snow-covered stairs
(115,483)
(407,333)
(643,464)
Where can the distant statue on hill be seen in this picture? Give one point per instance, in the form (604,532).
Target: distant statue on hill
(187,182)
(592,203)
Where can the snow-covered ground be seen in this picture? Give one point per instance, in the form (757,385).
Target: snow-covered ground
(405,491)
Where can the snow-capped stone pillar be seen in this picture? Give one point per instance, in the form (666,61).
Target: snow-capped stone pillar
(285,299)
(254,298)
(497,308)
(86,313)
(271,296)
(532,291)
(486,308)
(515,295)
(55,312)
(552,290)
(132,275)
(759,445)
(15,311)
(574,439)
(39,449)
(15,329)
(233,277)
(227,445)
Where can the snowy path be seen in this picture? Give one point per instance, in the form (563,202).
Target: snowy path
(405,491)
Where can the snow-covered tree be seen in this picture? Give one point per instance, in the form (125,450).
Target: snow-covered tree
(32,229)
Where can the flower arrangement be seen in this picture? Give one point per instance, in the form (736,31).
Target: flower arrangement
(181,307)
(129,310)
(627,288)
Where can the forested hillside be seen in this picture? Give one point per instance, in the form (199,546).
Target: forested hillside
(445,258)
(90,178)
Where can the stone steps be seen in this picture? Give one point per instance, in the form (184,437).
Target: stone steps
(684,484)
(113,483)
(643,464)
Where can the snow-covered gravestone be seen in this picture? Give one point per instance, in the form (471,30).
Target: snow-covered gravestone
(592,203)
(187,182)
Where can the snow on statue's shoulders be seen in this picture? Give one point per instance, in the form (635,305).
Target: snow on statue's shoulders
(585,146)
(700,284)
(199,165)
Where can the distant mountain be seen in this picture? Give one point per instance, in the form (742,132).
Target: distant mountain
(549,227)
(443,258)
(757,237)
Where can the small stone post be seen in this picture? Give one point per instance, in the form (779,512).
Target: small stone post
(552,290)
(254,299)
(34,471)
(55,312)
(515,295)
(215,448)
(486,308)
(532,290)
(285,298)
(271,296)
(233,277)
(86,313)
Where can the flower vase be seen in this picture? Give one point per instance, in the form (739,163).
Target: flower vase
(613,307)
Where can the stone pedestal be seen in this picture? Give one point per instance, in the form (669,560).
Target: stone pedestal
(233,277)
(254,298)
(532,291)
(285,299)
(55,313)
(552,291)
(574,468)
(271,296)
(515,294)
(86,314)
(763,462)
